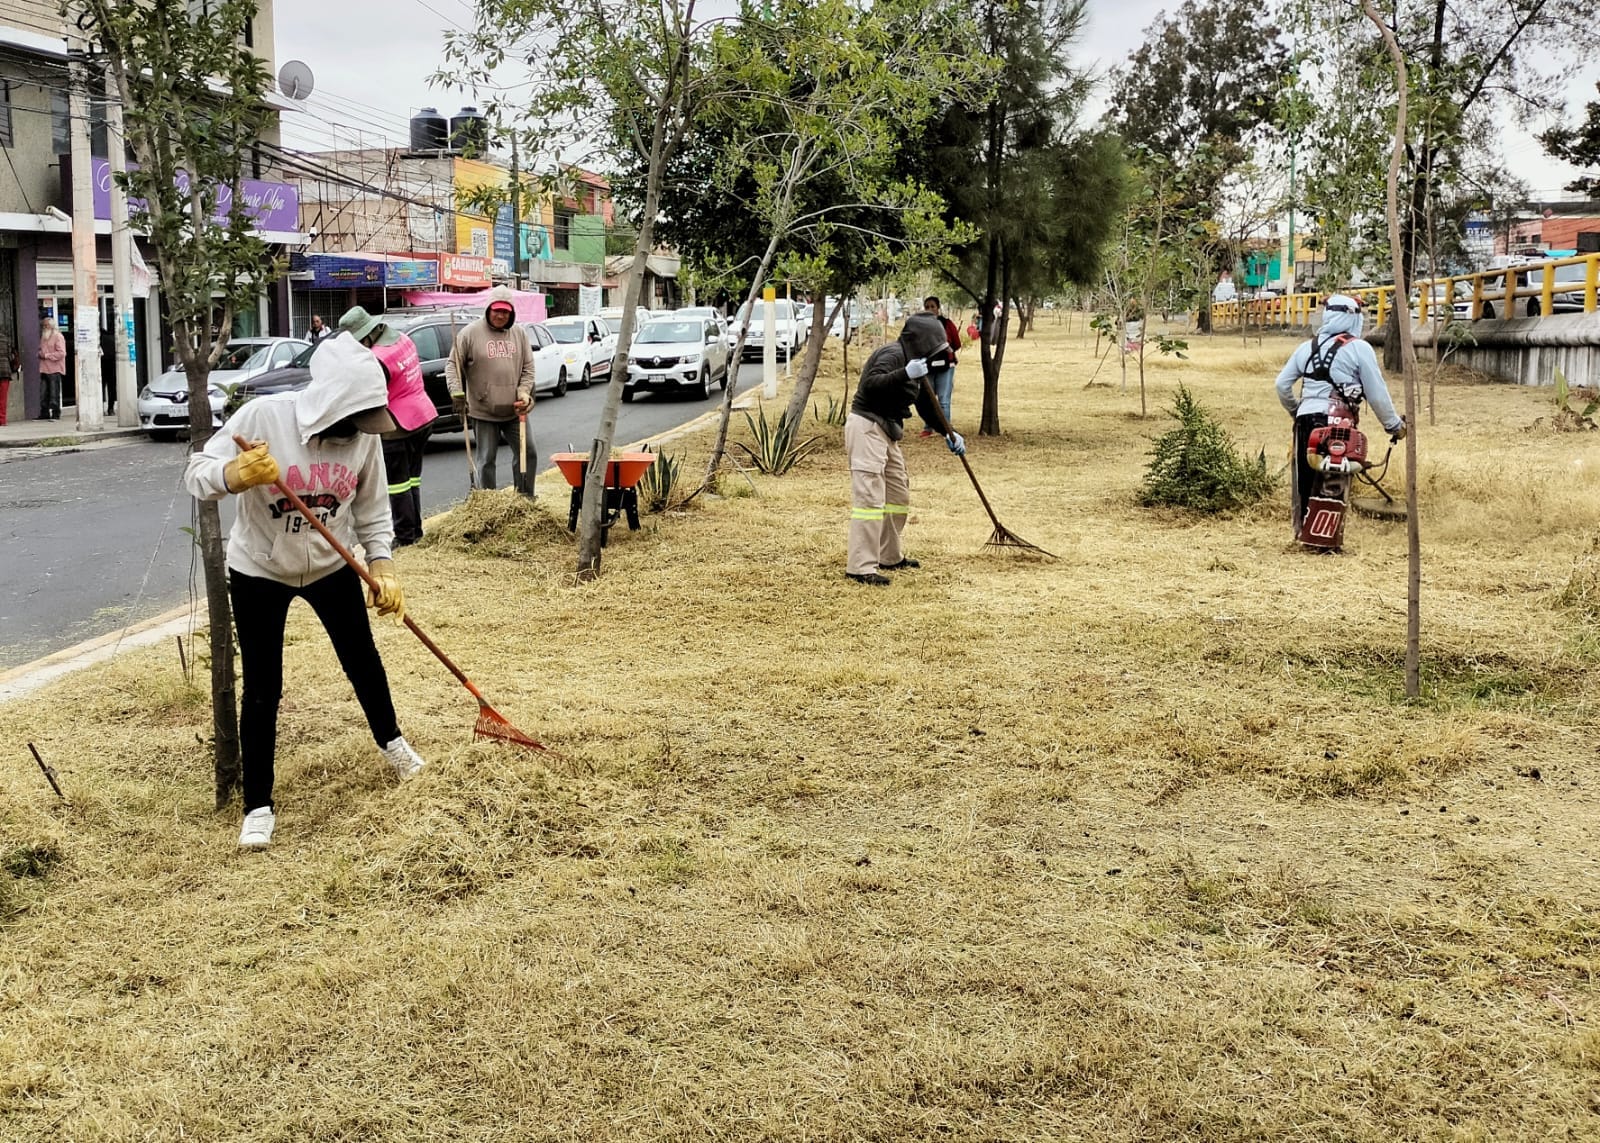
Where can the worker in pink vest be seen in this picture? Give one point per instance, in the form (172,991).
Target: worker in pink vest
(413,414)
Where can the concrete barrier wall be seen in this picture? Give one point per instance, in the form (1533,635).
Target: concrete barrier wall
(1526,351)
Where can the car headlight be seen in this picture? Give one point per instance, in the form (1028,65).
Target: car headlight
(690,359)
(144,394)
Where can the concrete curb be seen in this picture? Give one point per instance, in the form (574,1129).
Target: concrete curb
(29,677)
(78,439)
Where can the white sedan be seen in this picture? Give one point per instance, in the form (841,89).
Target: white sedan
(551,372)
(589,344)
(164,405)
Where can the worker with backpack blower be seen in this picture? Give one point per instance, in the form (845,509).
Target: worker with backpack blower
(1336,370)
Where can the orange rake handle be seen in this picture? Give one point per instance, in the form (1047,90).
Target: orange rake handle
(366,577)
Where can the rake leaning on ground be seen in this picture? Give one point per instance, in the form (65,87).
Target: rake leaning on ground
(491,723)
(1002,537)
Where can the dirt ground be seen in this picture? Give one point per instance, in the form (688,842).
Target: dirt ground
(1143,843)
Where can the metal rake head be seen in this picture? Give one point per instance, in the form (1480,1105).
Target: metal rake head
(1005,538)
(492,724)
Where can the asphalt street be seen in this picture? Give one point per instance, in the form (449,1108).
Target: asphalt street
(95,540)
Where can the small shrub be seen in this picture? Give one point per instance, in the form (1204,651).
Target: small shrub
(1196,465)
(778,447)
(1568,419)
(661,487)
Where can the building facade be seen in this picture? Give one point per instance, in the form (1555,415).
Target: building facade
(36,270)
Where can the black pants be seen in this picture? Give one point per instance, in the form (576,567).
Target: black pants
(402,459)
(50,396)
(260,607)
(1306,478)
(487,437)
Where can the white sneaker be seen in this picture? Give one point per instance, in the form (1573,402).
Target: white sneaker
(257,831)
(407,762)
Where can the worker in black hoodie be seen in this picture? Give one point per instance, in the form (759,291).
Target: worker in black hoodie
(880,490)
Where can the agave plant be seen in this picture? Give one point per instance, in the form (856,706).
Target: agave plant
(778,447)
(835,413)
(661,484)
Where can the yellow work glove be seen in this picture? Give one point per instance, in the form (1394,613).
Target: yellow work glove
(388,598)
(250,468)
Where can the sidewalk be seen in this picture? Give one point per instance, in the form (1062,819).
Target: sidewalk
(63,433)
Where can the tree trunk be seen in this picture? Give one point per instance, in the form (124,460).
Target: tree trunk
(813,358)
(992,347)
(591,534)
(719,447)
(1407,364)
(219,612)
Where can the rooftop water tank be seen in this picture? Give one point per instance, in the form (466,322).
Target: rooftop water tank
(430,131)
(469,132)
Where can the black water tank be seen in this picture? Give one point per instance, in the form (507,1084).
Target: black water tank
(430,131)
(469,132)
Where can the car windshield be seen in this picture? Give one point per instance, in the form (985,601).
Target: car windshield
(567,333)
(658,332)
(780,312)
(243,356)
(1574,273)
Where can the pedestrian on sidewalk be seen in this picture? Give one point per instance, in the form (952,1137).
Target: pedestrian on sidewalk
(52,369)
(319,332)
(490,375)
(880,489)
(8,369)
(942,371)
(321,443)
(413,412)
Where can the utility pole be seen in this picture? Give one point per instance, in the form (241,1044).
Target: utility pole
(516,213)
(85,286)
(122,329)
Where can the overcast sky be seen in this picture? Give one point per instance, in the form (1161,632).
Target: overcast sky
(372,60)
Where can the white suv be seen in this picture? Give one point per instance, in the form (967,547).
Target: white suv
(677,354)
(789,326)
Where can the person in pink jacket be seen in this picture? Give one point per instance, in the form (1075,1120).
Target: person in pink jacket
(52,370)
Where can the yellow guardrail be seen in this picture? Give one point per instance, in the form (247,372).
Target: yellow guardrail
(1489,294)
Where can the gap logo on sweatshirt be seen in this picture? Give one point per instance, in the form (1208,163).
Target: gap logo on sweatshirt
(500,347)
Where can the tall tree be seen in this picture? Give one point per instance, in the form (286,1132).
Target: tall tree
(1202,91)
(1578,145)
(1469,68)
(1014,163)
(808,173)
(193,106)
(635,77)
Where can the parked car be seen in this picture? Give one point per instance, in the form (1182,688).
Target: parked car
(589,345)
(550,373)
(677,354)
(433,331)
(286,379)
(788,328)
(612,316)
(850,313)
(164,405)
(1497,303)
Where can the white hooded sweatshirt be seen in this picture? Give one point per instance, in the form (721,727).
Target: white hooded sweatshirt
(1355,369)
(342,481)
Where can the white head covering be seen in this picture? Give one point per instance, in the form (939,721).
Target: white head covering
(1341,314)
(346,379)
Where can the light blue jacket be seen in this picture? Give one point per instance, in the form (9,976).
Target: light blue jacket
(1355,370)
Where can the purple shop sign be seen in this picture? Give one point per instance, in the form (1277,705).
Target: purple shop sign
(273,206)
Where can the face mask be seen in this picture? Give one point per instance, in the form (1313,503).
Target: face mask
(341,430)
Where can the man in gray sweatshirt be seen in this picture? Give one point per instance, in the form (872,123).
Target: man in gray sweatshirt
(490,375)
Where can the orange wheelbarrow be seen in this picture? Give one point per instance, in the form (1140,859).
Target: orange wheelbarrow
(623,473)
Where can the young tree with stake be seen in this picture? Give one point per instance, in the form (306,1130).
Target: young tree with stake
(192,103)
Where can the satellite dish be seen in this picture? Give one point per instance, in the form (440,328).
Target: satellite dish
(294,80)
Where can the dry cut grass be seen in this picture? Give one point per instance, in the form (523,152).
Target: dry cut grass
(1140,844)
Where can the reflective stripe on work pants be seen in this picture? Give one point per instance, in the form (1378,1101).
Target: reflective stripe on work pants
(880,493)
